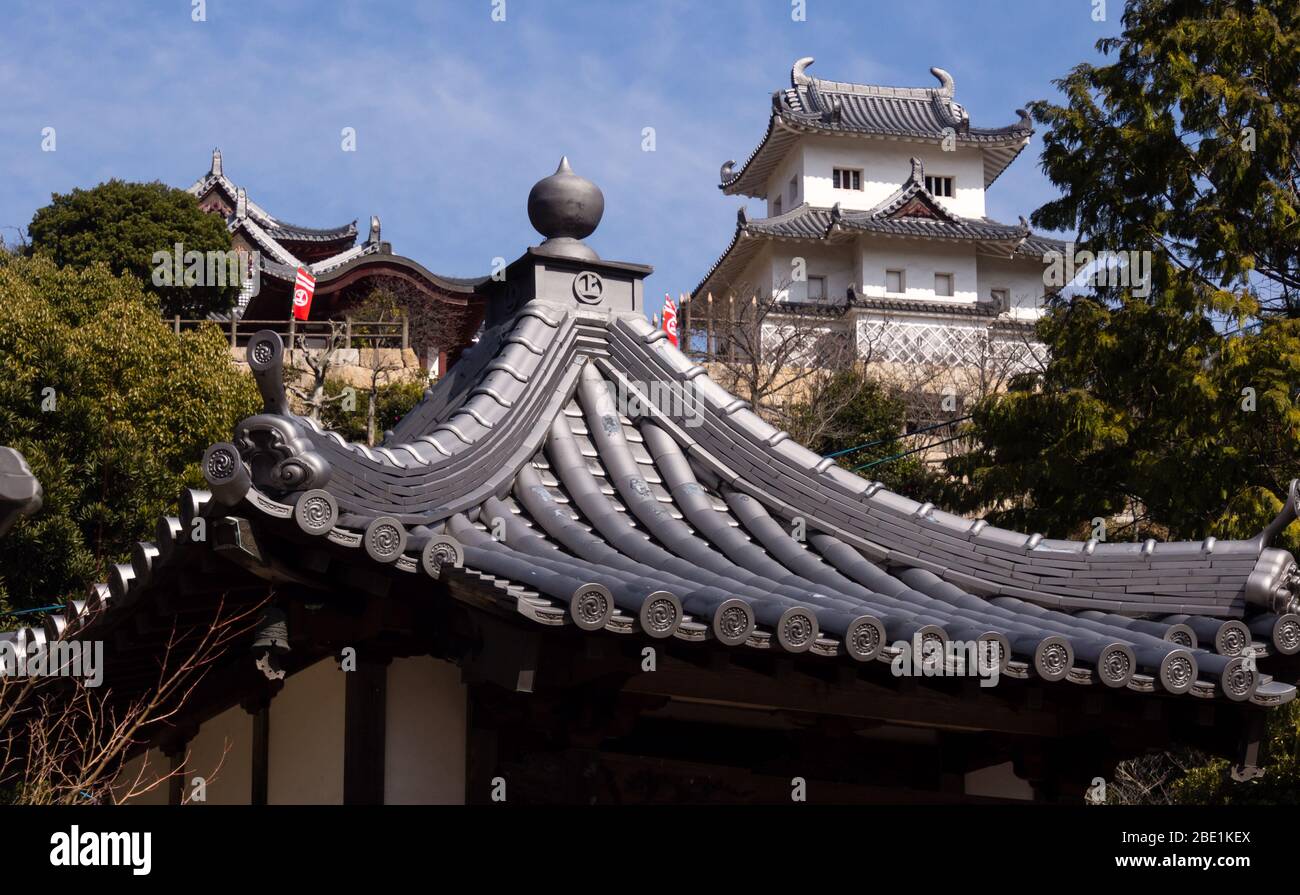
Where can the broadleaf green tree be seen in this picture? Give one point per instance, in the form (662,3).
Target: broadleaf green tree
(112,411)
(124,225)
(855,417)
(391,402)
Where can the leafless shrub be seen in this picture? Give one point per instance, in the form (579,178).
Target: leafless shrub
(64,742)
(1149,779)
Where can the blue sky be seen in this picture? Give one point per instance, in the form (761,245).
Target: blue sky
(457,115)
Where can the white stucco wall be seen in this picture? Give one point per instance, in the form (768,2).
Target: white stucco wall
(863,265)
(899,337)
(1023,277)
(425,733)
(305,753)
(836,263)
(885,167)
(778,185)
(222,753)
(920,261)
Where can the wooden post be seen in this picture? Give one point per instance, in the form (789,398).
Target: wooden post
(406,332)
(686,323)
(347,329)
(175,754)
(731,327)
(234,330)
(365,694)
(260,782)
(178,324)
(708,333)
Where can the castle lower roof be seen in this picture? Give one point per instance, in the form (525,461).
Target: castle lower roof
(911,212)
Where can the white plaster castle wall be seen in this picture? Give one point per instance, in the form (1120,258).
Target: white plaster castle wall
(885,165)
(779,183)
(836,263)
(919,261)
(1022,277)
(425,733)
(222,753)
(880,344)
(863,265)
(305,754)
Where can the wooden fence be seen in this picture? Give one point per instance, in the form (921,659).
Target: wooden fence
(358,333)
(729,329)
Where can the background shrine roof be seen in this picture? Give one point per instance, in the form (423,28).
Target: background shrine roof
(294,233)
(281,242)
(813,105)
(368,253)
(279,239)
(577,470)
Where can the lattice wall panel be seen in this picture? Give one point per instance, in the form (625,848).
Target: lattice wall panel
(946,345)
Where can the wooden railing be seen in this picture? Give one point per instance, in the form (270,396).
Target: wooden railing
(356,333)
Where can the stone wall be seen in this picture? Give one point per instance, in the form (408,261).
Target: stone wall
(353,366)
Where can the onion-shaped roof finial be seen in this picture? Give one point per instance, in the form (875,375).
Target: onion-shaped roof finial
(566,208)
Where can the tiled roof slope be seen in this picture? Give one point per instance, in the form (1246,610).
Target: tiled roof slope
(277,238)
(579,470)
(812,106)
(678,523)
(294,233)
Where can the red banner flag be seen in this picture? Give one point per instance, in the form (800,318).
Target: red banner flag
(304,287)
(670,319)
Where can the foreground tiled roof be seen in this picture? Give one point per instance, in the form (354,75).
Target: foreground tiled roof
(521,469)
(20,492)
(812,106)
(521,472)
(577,470)
(678,523)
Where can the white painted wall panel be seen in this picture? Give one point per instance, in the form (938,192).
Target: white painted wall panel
(425,736)
(305,755)
(885,166)
(222,753)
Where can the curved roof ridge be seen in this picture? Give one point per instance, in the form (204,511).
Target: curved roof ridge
(285,230)
(799,77)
